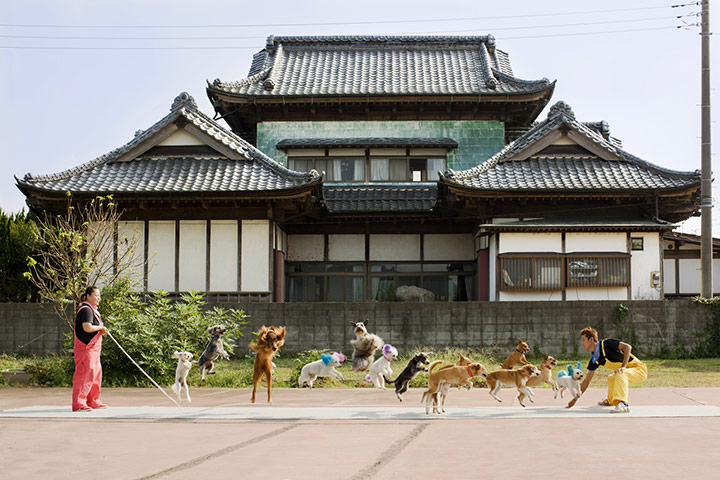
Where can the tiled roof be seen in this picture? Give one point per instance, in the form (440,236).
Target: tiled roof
(609,168)
(380,65)
(366,142)
(376,197)
(251,171)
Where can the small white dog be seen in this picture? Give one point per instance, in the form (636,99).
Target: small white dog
(181,373)
(325,367)
(381,366)
(570,380)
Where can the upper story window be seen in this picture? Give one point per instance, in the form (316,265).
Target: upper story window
(376,162)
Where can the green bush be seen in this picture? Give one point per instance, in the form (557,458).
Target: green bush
(151,330)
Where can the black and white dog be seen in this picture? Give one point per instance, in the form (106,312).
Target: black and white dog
(212,351)
(364,346)
(416,365)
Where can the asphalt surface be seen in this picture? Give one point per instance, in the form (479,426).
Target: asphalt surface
(357,434)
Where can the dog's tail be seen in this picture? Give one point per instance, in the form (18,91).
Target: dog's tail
(387,380)
(433,365)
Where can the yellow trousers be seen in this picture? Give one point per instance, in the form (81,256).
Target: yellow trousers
(618,383)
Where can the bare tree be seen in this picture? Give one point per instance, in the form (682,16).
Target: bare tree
(78,249)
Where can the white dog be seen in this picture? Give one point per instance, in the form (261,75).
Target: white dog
(181,373)
(570,380)
(325,367)
(381,366)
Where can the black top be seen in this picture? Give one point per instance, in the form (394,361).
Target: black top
(85,315)
(612,353)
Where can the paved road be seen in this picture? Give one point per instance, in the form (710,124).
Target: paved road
(673,432)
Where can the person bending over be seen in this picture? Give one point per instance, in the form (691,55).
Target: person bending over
(614,355)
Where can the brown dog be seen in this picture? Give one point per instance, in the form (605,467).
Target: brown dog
(512,378)
(453,375)
(269,340)
(546,376)
(517,356)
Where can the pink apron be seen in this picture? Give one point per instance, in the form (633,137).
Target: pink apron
(88,371)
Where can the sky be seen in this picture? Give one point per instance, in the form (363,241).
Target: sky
(78,78)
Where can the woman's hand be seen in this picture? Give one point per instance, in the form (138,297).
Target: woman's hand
(103,330)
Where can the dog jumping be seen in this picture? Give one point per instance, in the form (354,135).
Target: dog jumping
(517,356)
(416,365)
(546,376)
(181,373)
(212,351)
(454,375)
(364,346)
(513,378)
(382,367)
(570,380)
(325,367)
(269,341)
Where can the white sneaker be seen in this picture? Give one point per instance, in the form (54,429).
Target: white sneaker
(621,407)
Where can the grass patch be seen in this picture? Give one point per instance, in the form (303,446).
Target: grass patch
(57,370)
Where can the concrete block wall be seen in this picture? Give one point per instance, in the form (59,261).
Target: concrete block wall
(31,328)
(550,327)
(477,140)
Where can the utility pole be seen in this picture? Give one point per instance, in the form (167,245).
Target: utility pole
(706,250)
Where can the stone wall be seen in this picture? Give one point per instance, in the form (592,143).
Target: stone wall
(550,327)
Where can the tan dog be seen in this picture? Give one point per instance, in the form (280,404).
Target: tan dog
(517,356)
(546,376)
(269,340)
(444,387)
(453,375)
(512,378)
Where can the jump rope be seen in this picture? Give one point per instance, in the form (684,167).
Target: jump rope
(143,371)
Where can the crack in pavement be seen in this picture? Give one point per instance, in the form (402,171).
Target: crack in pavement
(689,397)
(221,452)
(390,453)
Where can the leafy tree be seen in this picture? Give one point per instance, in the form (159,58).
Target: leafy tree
(78,249)
(18,240)
(151,329)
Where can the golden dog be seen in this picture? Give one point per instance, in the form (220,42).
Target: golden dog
(517,356)
(546,376)
(269,340)
(451,375)
(512,378)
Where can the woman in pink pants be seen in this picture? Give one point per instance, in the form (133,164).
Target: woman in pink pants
(89,330)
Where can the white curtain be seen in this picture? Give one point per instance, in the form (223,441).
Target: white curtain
(379,169)
(435,165)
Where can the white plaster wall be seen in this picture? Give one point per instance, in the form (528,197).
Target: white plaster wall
(394,248)
(346,248)
(181,137)
(716,276)
(669,284)
(596,242)
(193,255)
(305,248)
(255,260)
(492,268)
(449,247)
(530,242)
(161,255)
(642,262)
(598,293)
(223,256)
(530,296)
(131,235)
(690,275)
(101,239)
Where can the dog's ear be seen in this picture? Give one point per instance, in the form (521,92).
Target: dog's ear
(176,354)
(281,333)
(367,320)
(353,323)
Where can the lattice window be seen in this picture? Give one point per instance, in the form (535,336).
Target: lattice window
(531,272)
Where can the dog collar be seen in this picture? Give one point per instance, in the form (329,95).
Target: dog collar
(215,336)
(548,367)
(388,359)
(519,351)
(470,371)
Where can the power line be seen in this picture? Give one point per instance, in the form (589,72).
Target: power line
(54,37)
(314,24)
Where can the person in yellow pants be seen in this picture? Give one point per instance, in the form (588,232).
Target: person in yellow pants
(614,355)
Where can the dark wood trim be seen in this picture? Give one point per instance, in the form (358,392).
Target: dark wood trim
(208,253)
(177,255)
(239,256)
(146,259)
